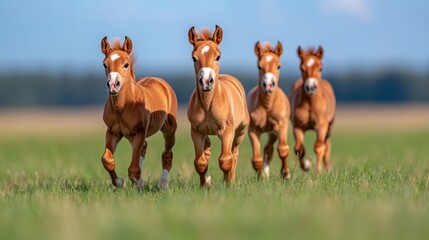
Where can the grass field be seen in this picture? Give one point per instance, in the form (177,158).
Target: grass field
(53,186)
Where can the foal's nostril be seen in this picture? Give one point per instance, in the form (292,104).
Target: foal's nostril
(200,80)
(307,88)
(264,85)
(117,83)
(274,84)
(211,80)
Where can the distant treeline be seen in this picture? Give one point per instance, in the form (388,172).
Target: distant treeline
(66,89)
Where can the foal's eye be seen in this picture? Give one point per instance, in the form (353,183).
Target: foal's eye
(126,65)
(104,65)
(259,67)
(217,58)
(194,59)
(278,67)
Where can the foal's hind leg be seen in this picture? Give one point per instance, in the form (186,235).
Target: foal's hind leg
(139,145)
(327,154)
(107,159)
(169,133)
(239,136)
(268,155)
(298,133)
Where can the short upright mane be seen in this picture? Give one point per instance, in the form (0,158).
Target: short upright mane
(267,47)
(205,34)
(311,51)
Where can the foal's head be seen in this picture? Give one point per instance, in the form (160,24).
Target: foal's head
(118,63)
(311,69)
(206,56)
(269,65)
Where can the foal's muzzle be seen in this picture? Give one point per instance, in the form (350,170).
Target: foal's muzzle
(268,82)
(206,78)
(114,83)
(310,86)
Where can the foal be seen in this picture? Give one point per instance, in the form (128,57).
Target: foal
(135,110)
(313,107)
(269,110)
(217,107)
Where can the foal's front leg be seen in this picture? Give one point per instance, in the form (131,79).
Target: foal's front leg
(134,170)
(226,157)
(202,151)
(107,159)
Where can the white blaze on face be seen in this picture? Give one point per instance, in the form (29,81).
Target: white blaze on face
(268,58)
(205,49)
(114,56)
(310,62)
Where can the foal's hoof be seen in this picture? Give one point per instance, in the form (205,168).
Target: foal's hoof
(120,183)
(208,183)
(266,171)
(306,165)
(286,176)
(163,183)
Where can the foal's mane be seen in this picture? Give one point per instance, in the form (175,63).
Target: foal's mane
(205,34)
(311,51)
(118,47)
(267,47)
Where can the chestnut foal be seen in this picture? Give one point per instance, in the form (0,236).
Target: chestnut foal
(269,111)
(135,110)
(313,107)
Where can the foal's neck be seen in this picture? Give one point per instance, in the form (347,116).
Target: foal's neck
(205,99)
(265,99)
(125,96)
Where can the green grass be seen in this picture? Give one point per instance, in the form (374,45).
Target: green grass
(56,188)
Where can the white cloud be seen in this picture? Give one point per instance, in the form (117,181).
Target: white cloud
(358,9)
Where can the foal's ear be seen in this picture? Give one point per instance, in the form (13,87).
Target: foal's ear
(192,36)
(258,49)
(105,46)
(279,49)
(319,53)
(300,52)
(128,45)
(217,35)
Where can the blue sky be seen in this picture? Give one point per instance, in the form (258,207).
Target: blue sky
(50,35)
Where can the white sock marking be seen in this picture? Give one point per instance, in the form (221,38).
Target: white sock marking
(266,170)
(120,183)
(208,179)
(307,164)
(140,184)
(163,181)
(141,162)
